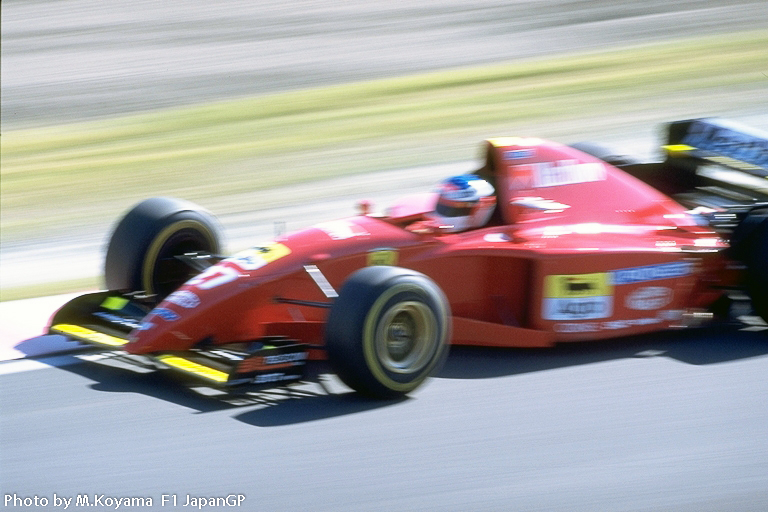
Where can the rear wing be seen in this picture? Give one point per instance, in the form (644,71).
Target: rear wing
(710,165)
(720,164)
(719,141)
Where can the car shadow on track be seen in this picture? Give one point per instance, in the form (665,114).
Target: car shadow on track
(112,377)
(322,396)
(312,408)
(714,344)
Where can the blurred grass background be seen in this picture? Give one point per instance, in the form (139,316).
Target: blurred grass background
(57,177)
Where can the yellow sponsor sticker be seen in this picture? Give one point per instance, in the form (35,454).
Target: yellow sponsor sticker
(85,334)
(570,286)
(678,148)
(114,303)
(382,257)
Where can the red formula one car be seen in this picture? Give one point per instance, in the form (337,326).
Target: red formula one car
(543,244)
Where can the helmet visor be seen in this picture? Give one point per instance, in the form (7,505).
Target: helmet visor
(454,208)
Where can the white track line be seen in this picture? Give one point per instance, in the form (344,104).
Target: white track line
(22,325)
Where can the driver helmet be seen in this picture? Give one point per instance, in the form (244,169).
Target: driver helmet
(464,202)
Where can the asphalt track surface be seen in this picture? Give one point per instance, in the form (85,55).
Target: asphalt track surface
(672,422)
(675,422)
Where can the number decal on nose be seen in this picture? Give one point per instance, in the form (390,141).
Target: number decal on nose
(213,277)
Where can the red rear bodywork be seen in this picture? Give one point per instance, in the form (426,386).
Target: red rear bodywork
(577,249)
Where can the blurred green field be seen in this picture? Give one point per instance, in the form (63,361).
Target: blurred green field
(61,176)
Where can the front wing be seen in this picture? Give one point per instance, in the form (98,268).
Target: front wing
(105,320)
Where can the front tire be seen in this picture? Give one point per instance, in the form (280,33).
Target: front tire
(142,250)
(387,331)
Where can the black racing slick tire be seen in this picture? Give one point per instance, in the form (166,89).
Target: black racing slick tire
(387,331)
(749,244)
(141,255)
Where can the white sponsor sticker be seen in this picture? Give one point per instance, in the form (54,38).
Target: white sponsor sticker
(495,238)
(577,308)
(651,272)
(341,229)
(571,328)
(184,298)
(610,325)
(566,172)
(649,298)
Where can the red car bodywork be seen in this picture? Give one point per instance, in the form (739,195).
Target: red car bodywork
(576,250)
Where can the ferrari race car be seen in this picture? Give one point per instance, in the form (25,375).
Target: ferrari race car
(545,243)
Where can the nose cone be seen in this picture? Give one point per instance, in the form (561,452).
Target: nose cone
(167,327)
(191,314)
(212,305)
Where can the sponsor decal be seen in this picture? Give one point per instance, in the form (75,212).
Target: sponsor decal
(145,326)
(725,141)
(257,257)
(184,298)
(590,296)
(572,328)
(578,285)
(560,172)
(118,320)
(624,324)
(214,276)
(610,325)
(588,308)
(651,272)
(519,154)
(114,303)
(341,229)
(577,297)
(496,238)
(649,298)
(274,377)
(671,315)
(285,358)
(382,257)
(540,204)
(271,363)
(165,314)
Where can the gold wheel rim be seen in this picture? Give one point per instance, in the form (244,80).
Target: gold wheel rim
(405,339)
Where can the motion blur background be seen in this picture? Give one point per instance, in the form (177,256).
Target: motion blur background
(284,113)
(245,107)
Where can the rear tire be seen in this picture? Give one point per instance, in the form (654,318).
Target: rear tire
(387,331)
(142,248)
(750,245)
